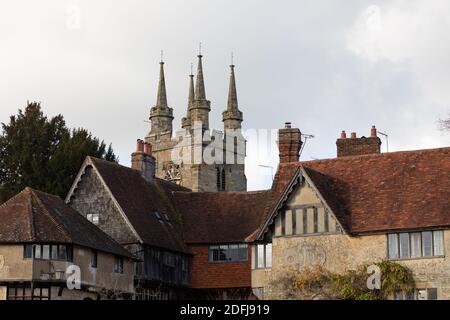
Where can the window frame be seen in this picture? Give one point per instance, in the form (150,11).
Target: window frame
(264,255)
(422,246)
(239,247)
(39,247)
(93,218)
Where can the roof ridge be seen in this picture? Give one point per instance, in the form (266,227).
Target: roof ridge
(372,155)
(223,192)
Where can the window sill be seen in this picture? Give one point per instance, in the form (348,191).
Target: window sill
(227,262)
(418,258)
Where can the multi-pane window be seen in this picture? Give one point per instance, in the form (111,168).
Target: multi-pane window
(118,265)
(93,217)
(24,292)
(263,256)
(60,252)
(228,253)
(303,220)
(415,244)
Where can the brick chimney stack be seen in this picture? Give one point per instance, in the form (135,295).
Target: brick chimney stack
(358,146)
(289,143)
(143,161)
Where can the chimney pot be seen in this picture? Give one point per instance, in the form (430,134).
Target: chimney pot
(353,135)
(287,125)
(139,145)
(147,148)
(373,132)
(143,161)
(343,135)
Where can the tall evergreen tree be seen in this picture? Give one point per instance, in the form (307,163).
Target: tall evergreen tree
(43,153)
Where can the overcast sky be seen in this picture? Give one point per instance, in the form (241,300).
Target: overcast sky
(326,66)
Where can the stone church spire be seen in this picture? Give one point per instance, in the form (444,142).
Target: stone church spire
(186,121)
(232,117)
(200,107)
(161,115)
(200,93)
(161,99)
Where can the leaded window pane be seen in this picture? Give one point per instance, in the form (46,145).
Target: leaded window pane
(416,247)
(427,243)
(438,242)
(404,245)
(393,246)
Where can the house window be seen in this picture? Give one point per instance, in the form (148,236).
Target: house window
(427,294)
(57,252)
(263,256)
(93,217)
(94,259)
(416,245)
(24,292)
(118,264)
(228,253)
(402,295)
(28,251)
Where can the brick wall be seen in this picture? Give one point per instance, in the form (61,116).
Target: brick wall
(218,275)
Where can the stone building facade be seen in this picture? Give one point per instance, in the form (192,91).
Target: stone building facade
(195,156)
(358,209)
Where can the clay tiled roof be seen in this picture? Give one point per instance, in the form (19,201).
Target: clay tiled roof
(380,192)
(220,217)
(37,217)
(139,200)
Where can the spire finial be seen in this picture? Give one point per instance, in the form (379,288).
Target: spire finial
(192,69)
(200,49)
(232,58)
(162,56)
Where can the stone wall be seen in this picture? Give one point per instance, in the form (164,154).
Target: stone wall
(91,196)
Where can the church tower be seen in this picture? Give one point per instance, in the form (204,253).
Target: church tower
(226,172)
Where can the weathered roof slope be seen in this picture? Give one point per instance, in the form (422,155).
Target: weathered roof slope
(140,199)
(36,217)
(220,217)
